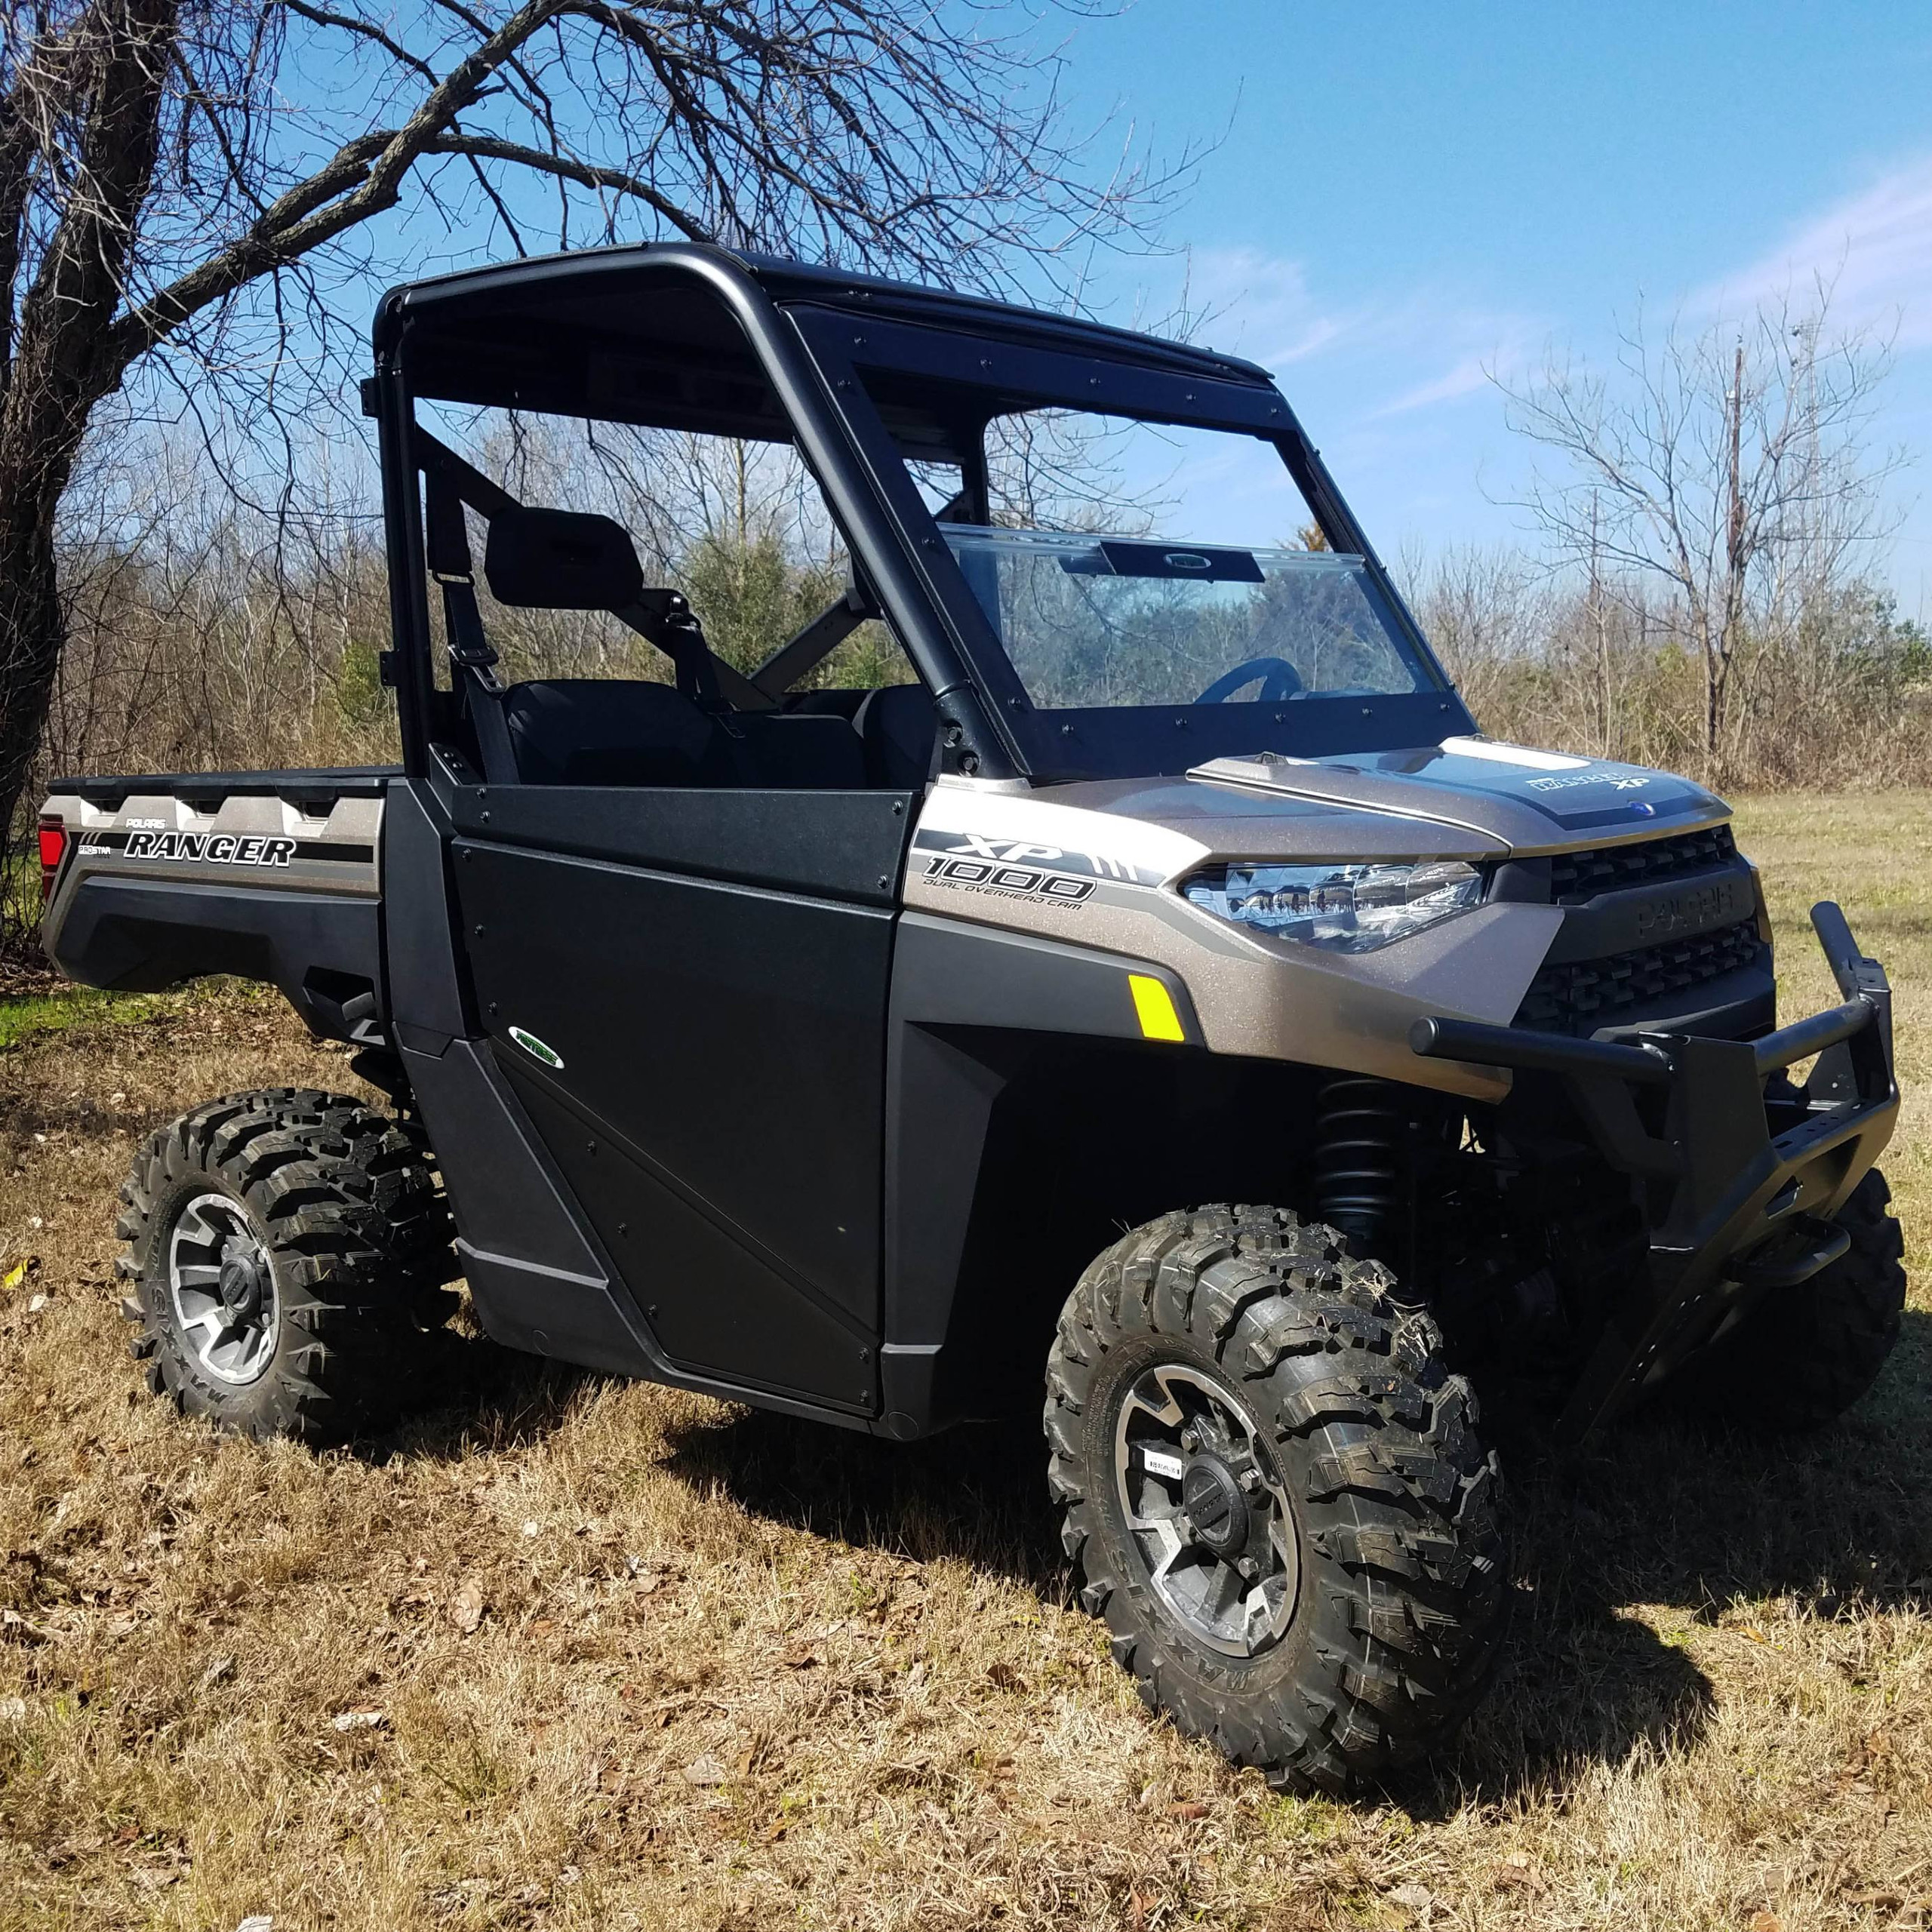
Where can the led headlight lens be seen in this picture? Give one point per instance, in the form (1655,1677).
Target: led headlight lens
(1343,908)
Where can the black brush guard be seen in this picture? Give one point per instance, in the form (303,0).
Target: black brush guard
(1738,1186)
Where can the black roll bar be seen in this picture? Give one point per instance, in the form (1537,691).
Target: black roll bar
(1541,1053)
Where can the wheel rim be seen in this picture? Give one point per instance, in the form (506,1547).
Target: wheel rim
(223,1284)
(1207,1510)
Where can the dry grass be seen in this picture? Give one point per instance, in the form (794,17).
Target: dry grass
(638,1660)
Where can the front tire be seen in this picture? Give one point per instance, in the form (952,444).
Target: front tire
(286,1250)
(1273,1489)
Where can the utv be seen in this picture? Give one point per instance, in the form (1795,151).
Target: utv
(856,1022)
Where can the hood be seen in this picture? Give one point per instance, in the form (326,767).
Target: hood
(1466,797)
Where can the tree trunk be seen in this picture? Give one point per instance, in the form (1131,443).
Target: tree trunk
(33,631)
(61,365)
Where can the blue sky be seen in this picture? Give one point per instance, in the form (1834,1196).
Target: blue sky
(1406,195)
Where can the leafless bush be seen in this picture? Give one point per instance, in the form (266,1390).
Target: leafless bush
(1725,483)
(1833,691)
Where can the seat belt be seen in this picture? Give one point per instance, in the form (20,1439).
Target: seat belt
(662,618)
(472,661)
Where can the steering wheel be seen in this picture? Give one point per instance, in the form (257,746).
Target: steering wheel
(1279,680)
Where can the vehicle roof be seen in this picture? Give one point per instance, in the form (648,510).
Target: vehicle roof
(579,272)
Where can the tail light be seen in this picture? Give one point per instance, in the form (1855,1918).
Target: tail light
(53,849)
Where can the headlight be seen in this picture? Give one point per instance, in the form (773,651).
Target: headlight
(1343,907)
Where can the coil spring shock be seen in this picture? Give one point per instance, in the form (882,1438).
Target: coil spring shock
(1359,1128)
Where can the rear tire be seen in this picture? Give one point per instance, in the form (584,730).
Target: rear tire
(288,1251)
(1804,1354)
(1317,1436)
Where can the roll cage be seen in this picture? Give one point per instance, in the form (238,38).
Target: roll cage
(861,376)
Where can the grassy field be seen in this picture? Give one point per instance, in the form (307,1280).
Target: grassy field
(570,1653)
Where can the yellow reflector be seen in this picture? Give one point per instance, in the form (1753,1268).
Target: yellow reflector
(1155,1007)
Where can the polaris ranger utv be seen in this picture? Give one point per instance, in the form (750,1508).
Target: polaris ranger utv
(1145,977)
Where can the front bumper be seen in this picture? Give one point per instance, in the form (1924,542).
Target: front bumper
(1738,1183)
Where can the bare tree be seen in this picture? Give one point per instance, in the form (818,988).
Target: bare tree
(1488,614)
(190,189)
(1734,465)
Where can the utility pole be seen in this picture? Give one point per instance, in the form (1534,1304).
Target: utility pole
(1733,586)
(1600,633)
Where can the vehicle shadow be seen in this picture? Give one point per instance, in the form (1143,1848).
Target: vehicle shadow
(1662,1518)
(1670,1514)
(1665,1522)
(489,1399)
(977,1492)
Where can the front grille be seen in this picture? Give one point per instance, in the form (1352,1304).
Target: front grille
(1576,877)
(1586,994)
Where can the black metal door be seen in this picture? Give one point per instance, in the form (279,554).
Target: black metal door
(688,990)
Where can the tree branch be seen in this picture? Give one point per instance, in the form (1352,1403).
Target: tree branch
(565,168)
(363,177)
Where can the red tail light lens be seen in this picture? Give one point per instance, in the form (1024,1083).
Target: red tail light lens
(53,849)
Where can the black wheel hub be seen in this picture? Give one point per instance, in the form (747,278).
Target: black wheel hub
(1216,1510)
(241,1285)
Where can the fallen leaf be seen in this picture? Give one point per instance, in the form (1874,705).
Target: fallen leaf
(467,1610)
(13,1710)
(15,1275)
(222,1667)
(1413,1897)
(1765,1921)
(360,1721)
(262,1921)
(543,1626)
(533,1529)
(1188,1808)
(1513,1873)
(801,1657)
(776,1830)
(745,1757)
(37,1304)
(1002,1674)
(706,1770)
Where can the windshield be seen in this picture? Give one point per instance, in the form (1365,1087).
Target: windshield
(1100,621)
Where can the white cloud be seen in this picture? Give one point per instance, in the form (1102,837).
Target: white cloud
(1259,305)
(1874,249)
(1492,345)
(1463,378)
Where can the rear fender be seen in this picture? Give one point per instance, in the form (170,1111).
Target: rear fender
(154,890)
